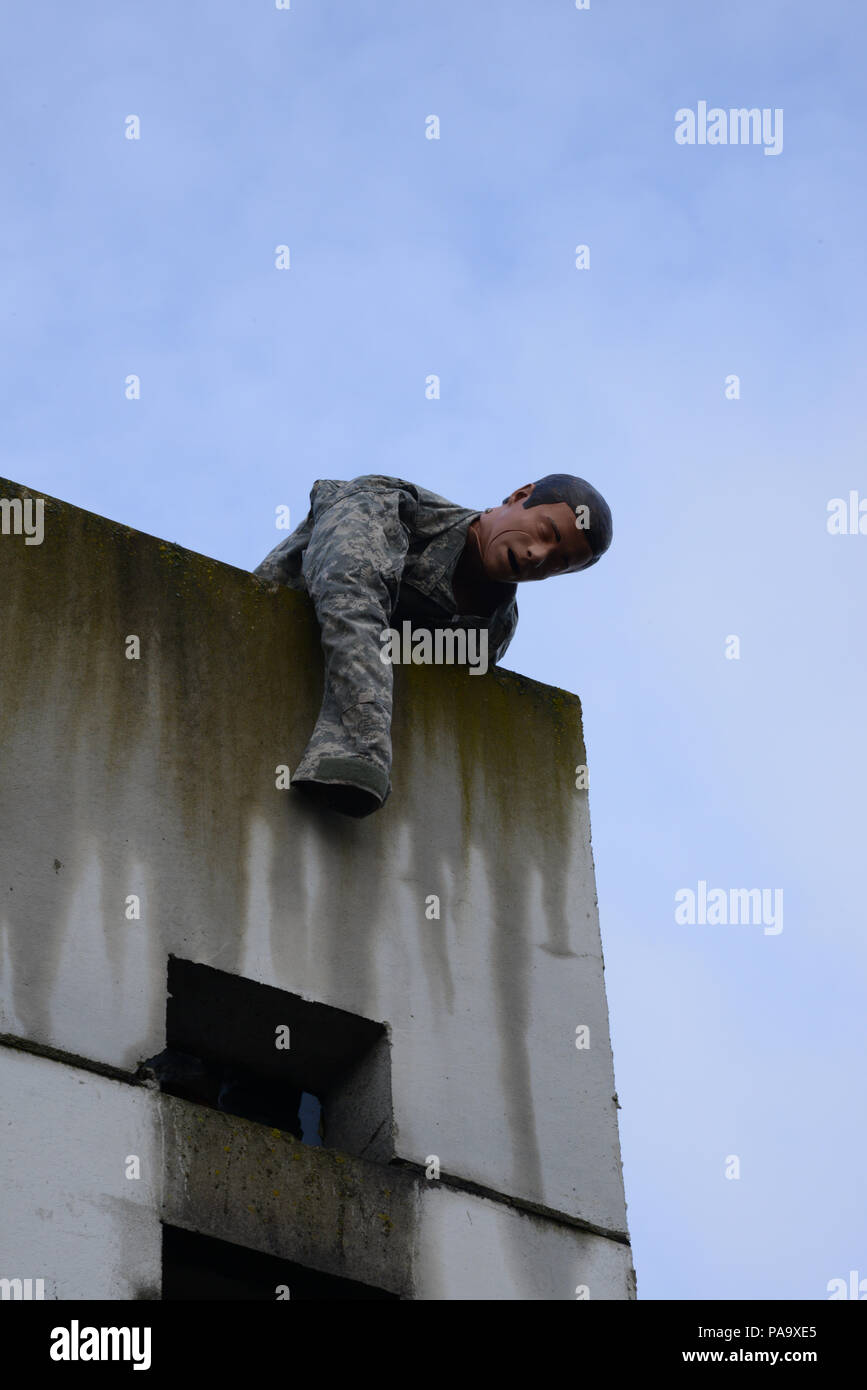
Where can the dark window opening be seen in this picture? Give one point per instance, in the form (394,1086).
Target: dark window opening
(202,1267)
(311,1120)
(319,1073)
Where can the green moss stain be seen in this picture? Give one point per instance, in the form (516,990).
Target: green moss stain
(155,763)
(511,746)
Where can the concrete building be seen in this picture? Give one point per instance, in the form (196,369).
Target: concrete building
(424,987)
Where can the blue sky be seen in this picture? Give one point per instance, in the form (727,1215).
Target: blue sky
(456,256)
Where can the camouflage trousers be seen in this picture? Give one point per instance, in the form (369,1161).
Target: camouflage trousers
(354,551)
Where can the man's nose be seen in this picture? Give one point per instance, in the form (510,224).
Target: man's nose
(536,556)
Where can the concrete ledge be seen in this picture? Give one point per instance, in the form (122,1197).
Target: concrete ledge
(260,1188)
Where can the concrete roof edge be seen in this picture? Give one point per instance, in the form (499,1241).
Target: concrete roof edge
(501,673)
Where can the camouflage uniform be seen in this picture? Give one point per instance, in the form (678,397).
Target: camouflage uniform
(370,553)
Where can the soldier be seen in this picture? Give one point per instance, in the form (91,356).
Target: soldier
(379,549)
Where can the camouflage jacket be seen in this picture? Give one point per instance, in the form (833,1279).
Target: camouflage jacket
(436,530)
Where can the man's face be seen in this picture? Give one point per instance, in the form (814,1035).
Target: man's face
(518,544)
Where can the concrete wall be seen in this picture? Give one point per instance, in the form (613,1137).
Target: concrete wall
(79,1216)
(156,777)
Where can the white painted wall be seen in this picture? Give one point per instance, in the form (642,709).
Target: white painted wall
(69,1214)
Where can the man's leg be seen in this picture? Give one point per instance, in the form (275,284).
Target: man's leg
(352,568)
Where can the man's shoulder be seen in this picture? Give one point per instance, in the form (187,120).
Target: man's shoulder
(434,523)
(387,483)
(368,480)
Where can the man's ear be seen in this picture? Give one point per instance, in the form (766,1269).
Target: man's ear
(519,495)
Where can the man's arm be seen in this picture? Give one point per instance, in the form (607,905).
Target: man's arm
(352,569)
(501,630)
